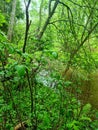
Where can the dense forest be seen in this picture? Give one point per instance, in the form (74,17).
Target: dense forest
(48,64)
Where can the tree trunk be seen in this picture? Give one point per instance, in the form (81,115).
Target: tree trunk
(12,20)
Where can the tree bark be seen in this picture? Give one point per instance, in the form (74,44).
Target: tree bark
(28,22)
(12,21)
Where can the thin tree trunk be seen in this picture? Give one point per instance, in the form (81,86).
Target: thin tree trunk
(28,23)
(12,20)
(40,15)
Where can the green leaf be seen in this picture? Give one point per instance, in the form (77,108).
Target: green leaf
(55,54)
(86,108)
(97,115)
(2,37)
(8,1)
(85,118)
(2,19)
(68,83)
(20,70)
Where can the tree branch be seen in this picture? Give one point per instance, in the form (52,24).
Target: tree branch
(88,20)
(28,23)
(49,11)
(39,36)
(74,52)
(63,20)
(82,5)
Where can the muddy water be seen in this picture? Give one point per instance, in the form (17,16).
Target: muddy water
(87,83)
(89,90)
(93,90)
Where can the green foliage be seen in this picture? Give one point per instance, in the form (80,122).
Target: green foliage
(19,10)
(8,1)
(32,88)
(55,107)
(20,70)
(55,55)
(2,19)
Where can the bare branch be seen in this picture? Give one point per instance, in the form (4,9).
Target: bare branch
(48,20)
(71,21)
(82,5)
(49,12)
(88,20)
(28,23)
(63,20)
